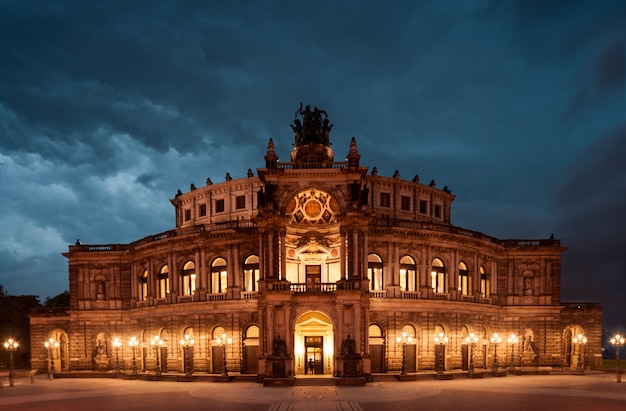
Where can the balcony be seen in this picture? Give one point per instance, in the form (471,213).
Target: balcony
(411,295)
(313,288)
(378,293)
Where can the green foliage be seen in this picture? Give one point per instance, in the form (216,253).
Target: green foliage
(60,300)
(14,323)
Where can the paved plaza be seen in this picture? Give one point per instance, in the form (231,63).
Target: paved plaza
(524,392)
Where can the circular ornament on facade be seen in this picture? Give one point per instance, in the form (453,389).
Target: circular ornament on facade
(312,208)
(291,207)
(291,253)
(334,252)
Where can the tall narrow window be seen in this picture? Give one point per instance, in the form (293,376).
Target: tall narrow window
(251,273)
(463,279)
(484,283)
(188,278)
(385,200)
(219,274)
(438,276)
(219,206)
(375,272)
(240,202)
(408,274)
(405,203)
(423,207)
(163,284)
(143,286)
(202,211)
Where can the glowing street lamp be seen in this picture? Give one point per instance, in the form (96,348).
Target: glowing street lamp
(404,339)
(512,340)
(441,340)
(133,343)
(471,340)
(580,340)
(117,344)
(223,341)
(187,343)
(495,340)
(11,345)
(157,343)
(51,344)
(617,341)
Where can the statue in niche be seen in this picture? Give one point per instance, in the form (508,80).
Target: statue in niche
(100,356)
(100,294)
(348,347)
(528,285)
(351,360)
(279,348)
(528,341)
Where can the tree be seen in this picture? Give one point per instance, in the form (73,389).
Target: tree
(14,323)
(59,300)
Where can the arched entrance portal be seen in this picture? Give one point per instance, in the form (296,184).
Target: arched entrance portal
(314,344)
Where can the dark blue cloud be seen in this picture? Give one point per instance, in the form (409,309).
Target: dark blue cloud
(107,108)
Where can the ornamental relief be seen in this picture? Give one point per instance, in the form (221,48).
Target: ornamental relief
(313,207)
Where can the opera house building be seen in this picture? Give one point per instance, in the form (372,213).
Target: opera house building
(316,266)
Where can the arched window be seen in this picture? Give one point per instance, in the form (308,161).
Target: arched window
(143,286)
(218,332)
(438,274)
(188,279)
(464,286)
(375,272)
(409,330)
(163,283)
(251,273)
(218,276)
(408,274)
(484,283)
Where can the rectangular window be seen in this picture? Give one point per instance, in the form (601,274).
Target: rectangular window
(437,211)
(240,202)
(423,207)
(202,210)
(187,215)
(385,200)
(219,206)
(405,203)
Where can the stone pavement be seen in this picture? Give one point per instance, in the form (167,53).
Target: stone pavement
(536,392)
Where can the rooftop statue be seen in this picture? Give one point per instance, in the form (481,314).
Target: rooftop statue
(311,127)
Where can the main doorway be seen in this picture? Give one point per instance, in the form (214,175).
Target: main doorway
(314,353)
(314,344)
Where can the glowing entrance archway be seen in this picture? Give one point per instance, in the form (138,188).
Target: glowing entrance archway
(314,344)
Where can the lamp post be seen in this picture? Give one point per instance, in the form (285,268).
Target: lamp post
(51,344)
(580,340)
(117,344)
(157,342)
(223,341)
(512,340)
(441,340)
(133,344)
(404,339)
(11,345)
(495,340)
(617,341)
(471,340)
(187,343)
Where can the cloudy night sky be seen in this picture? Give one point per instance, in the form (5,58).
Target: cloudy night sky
(108,108)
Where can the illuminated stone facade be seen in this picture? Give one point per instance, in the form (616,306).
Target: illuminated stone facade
(317,266)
